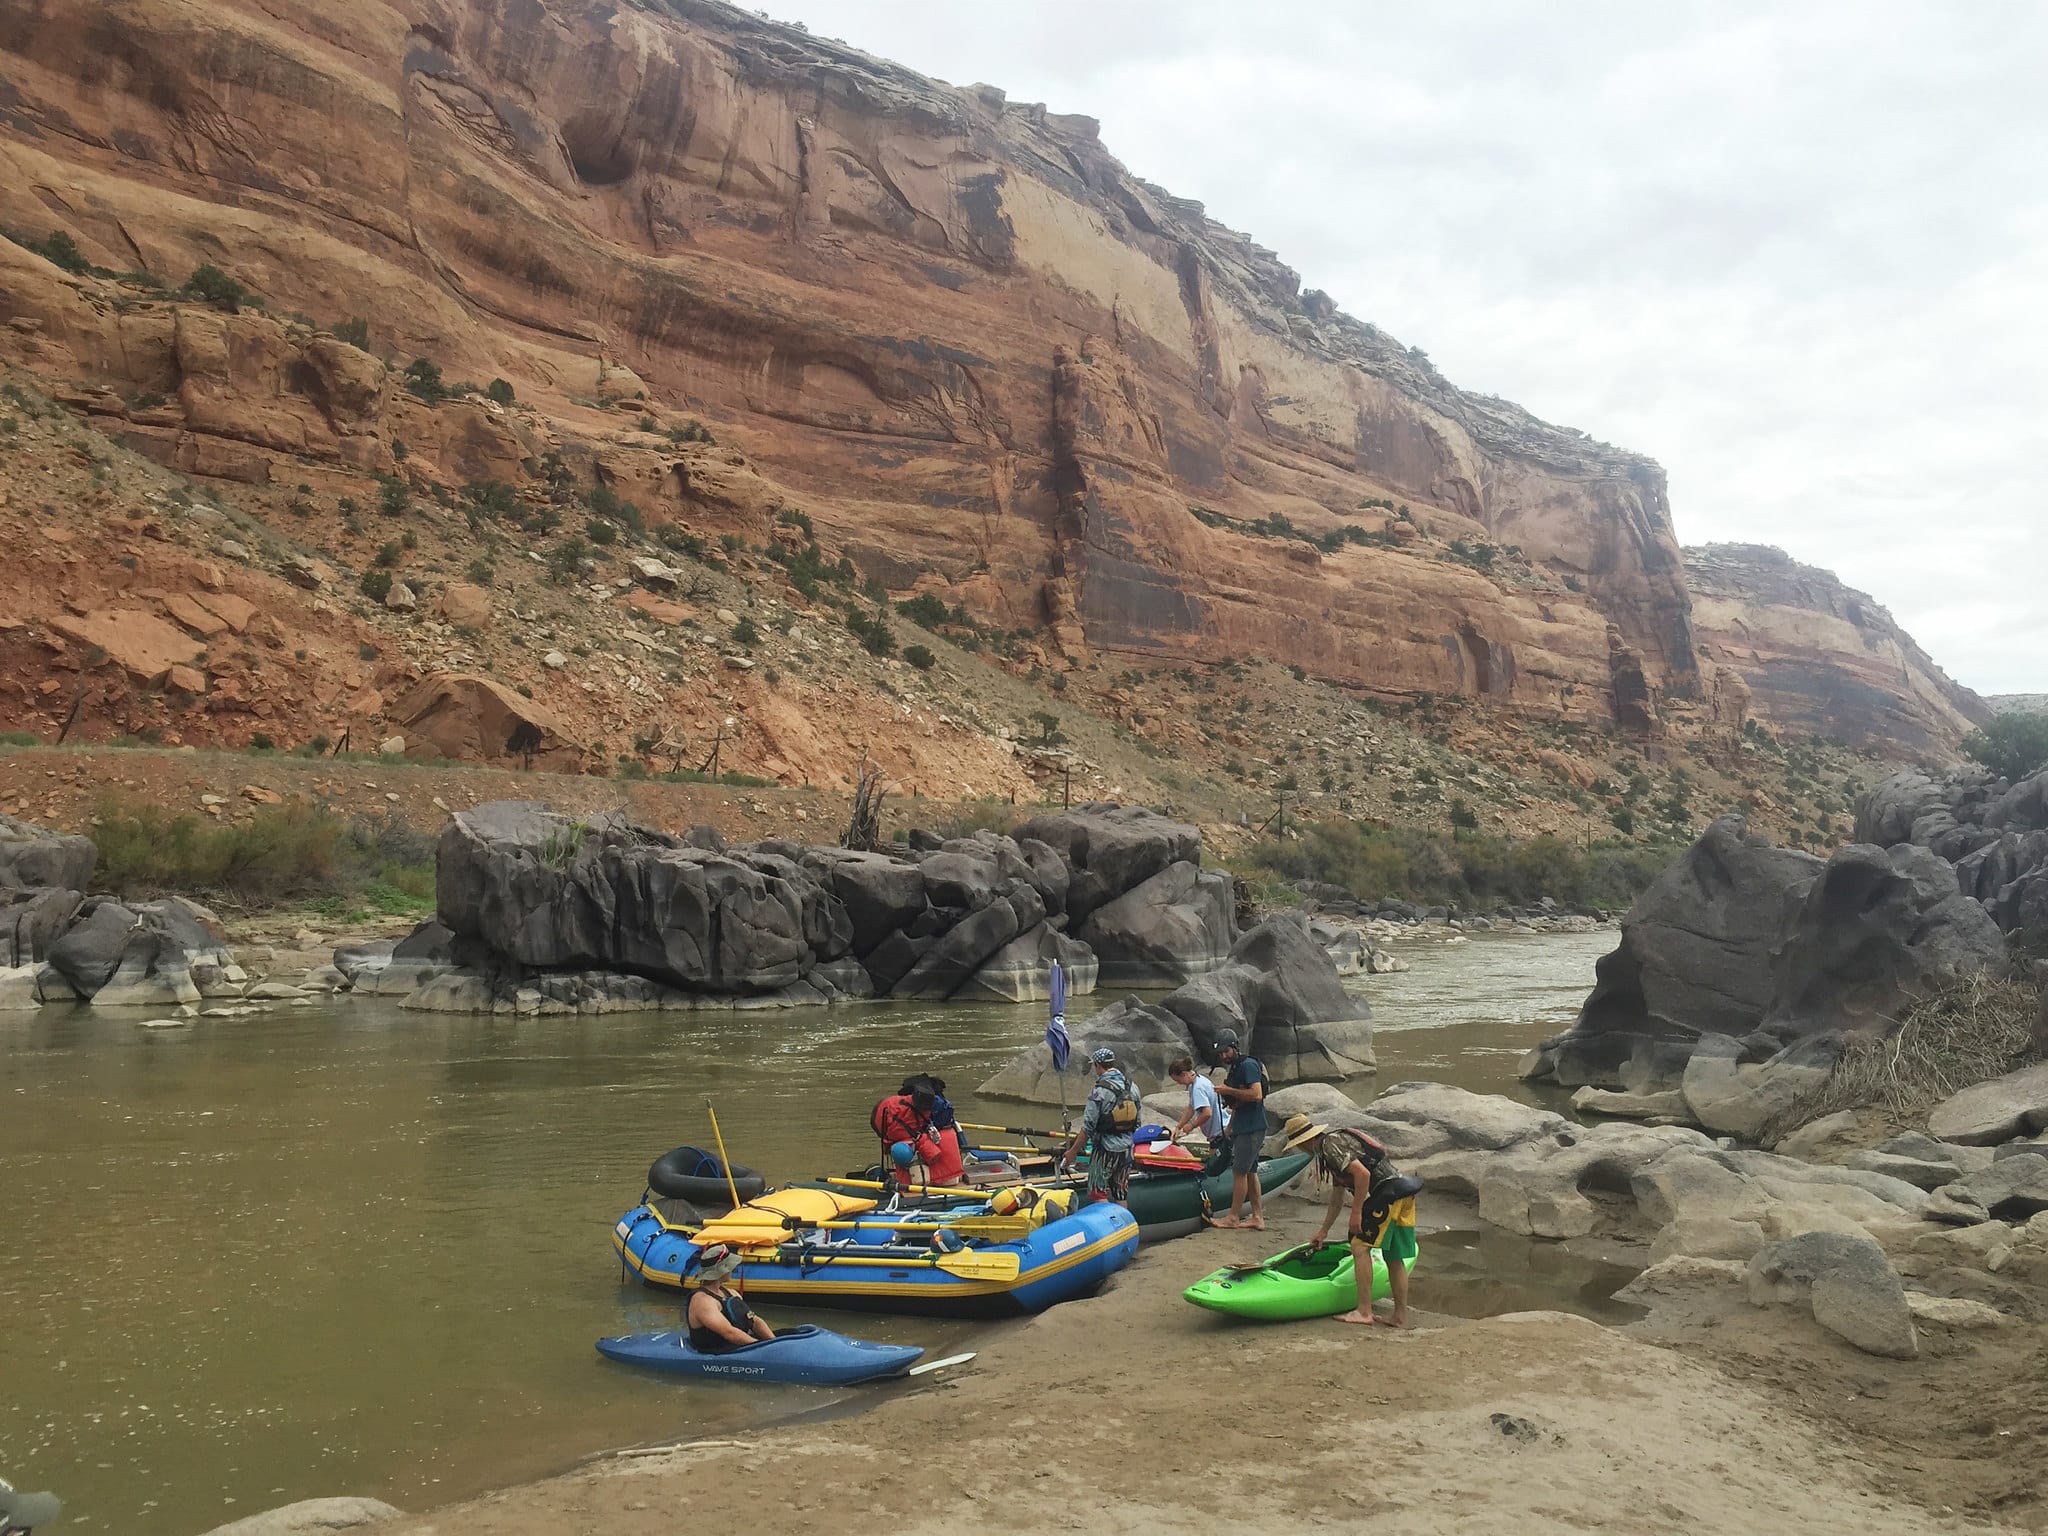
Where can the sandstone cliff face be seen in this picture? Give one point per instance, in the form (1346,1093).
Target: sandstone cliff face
(1820,658)
(983,357)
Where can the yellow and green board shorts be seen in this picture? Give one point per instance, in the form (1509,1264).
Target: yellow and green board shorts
(1396,1235)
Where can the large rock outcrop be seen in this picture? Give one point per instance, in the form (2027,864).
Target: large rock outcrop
(544,912)
(1819,658)
(32,857)
(1278,989)
(955,325)
(1742,966)
(1994,832)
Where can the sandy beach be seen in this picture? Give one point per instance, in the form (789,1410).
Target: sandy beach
(1132,1411)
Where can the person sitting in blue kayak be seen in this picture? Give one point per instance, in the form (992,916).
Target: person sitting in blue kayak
(719,1316)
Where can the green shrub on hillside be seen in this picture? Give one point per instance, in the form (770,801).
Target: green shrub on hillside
(2013,745)
(1476,871)
(279,853)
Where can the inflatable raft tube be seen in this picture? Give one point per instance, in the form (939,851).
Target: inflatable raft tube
(807,1356)
(692,1174)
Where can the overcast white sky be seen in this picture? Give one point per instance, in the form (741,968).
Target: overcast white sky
(1796,252)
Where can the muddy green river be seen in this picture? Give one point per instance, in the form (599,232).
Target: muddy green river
(347,1249)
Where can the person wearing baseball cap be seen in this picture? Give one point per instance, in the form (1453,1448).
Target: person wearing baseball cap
(1109,1117)
(1244,1090)
(719,1316)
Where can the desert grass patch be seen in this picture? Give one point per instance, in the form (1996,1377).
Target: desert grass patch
(298,851)
(1977,1029)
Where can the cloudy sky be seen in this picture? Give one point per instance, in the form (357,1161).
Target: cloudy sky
(1798,253)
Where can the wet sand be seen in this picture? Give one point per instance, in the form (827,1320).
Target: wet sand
(1133,1411)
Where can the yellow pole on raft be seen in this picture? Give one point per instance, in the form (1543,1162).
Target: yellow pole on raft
(731,1187)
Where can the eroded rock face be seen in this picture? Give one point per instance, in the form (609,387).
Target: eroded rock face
(1819,658)
(549,892)
(1694,958)
(864,265)
(541,911)
(1995,833)
(1742,965)
(1878,929)
(1277,988)
(32,857)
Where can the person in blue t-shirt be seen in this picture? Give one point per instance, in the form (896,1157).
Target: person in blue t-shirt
(1204,1114)
(1244,1090)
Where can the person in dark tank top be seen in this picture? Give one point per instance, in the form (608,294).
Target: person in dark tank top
(719,1317)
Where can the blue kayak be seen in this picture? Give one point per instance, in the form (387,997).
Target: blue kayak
(807,1356)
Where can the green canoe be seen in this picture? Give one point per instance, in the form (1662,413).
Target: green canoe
(1176,1204)
(1302,1282)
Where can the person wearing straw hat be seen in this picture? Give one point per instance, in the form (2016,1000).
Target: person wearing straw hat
(719,1316)
(1381,1216)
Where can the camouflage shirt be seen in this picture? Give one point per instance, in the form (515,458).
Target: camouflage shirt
(1340,1149)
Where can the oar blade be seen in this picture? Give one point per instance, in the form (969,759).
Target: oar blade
(970,1264)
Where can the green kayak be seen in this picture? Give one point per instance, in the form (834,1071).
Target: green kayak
(1302,1282)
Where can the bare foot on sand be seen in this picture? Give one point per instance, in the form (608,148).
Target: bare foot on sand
(1256,1224)
(1227,1223)
(1365,1319)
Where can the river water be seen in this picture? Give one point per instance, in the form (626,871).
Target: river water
(346,1249)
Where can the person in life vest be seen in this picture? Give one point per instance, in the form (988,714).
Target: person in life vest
(719,1317)
(905,1116)
(946,1165)
(1382,1208)
(1107,1120)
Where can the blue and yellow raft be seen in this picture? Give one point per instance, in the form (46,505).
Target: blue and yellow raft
(826,1248)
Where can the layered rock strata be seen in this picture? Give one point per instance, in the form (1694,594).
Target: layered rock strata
(983,355)
(1818,658)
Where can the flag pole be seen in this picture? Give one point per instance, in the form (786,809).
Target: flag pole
(1056,1039)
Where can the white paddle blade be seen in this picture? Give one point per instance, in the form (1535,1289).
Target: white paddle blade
(939,1365)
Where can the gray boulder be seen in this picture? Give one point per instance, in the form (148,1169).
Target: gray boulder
(1987,1113)
(881,895)
(175,947)
(311,1517)
(32,920)
(1280,992)
(1847,1281)
(957,877)
(1694,959)
(1887,812)
(964,948)
(548,892)
(1172,927)
(33,857)
(1144,1036)
(1111,849)
(386,969)
(90,950)
(2011,1189)
(1018,972)
(1878,929)
(1747,1099)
